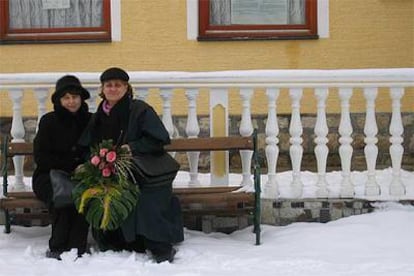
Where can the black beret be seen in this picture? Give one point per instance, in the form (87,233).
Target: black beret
(71,84)
(114,73)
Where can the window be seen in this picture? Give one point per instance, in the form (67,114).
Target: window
(257,19)
(37,21)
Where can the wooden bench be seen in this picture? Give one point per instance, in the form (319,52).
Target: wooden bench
(210,200)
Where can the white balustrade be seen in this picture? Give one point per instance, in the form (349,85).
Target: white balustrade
(321,149)
(218,83)
(272,149)
(192,130)
(397,188)
(296,149)
(371,150)
(246,129)
(345,149)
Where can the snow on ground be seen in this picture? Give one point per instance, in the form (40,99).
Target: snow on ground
(375,244)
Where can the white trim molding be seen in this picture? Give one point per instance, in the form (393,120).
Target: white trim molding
(116,20)
(192,19)
(323,18)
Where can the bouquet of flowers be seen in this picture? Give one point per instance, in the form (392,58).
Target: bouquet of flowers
(105,193)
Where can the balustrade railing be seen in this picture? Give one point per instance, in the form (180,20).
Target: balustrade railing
(218,85)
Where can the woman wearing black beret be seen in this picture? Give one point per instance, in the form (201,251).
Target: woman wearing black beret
(156,222)
(55,147)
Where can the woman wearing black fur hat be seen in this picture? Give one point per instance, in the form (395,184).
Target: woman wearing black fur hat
(156,223)
(55,147)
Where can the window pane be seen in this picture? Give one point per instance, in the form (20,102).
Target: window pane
(257,12)
(32,14)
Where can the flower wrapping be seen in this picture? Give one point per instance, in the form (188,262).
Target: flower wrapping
(106,194)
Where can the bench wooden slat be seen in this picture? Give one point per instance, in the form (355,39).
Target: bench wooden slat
(21,194)
(19,149)
(217,198)
(13,203)
(38,215)
(28,199)
(217,211)
(182,190)
(206,190)
(210,144)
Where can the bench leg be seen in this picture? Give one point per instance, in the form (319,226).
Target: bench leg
(6,221)
(257,207)
(256,220)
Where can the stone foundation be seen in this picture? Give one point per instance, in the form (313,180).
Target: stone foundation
(282,212)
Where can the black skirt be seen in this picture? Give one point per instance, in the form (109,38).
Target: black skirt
(157,217)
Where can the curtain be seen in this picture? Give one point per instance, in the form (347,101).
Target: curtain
(220,12)
(296,10)
(31,14)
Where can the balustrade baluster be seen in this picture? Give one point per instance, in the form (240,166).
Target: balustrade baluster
(371,150)
(94,92)
(246,129)
(296,149)
(141,93)
(192,130)
(396,149)
(42,95)
(17,132)
(345,149)
(219,115)
(166,95)
(272,149)
(321,149)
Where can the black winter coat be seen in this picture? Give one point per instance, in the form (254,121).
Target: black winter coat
(55,146)
(157,215)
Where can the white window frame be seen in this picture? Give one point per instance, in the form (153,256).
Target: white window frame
(116,20)
(192,19)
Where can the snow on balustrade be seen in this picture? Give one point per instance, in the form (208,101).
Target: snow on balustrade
(296,82)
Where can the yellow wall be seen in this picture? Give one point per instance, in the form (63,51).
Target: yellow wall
(363,34)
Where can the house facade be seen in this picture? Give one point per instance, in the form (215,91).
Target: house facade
(162,36)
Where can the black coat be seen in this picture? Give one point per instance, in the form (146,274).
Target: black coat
(55,146)
(157,215)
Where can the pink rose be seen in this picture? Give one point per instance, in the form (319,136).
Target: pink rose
(111,156)
(95,160)
(102,152)
(106,172)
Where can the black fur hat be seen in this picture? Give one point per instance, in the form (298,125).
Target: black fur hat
(71,84)
(114,73)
